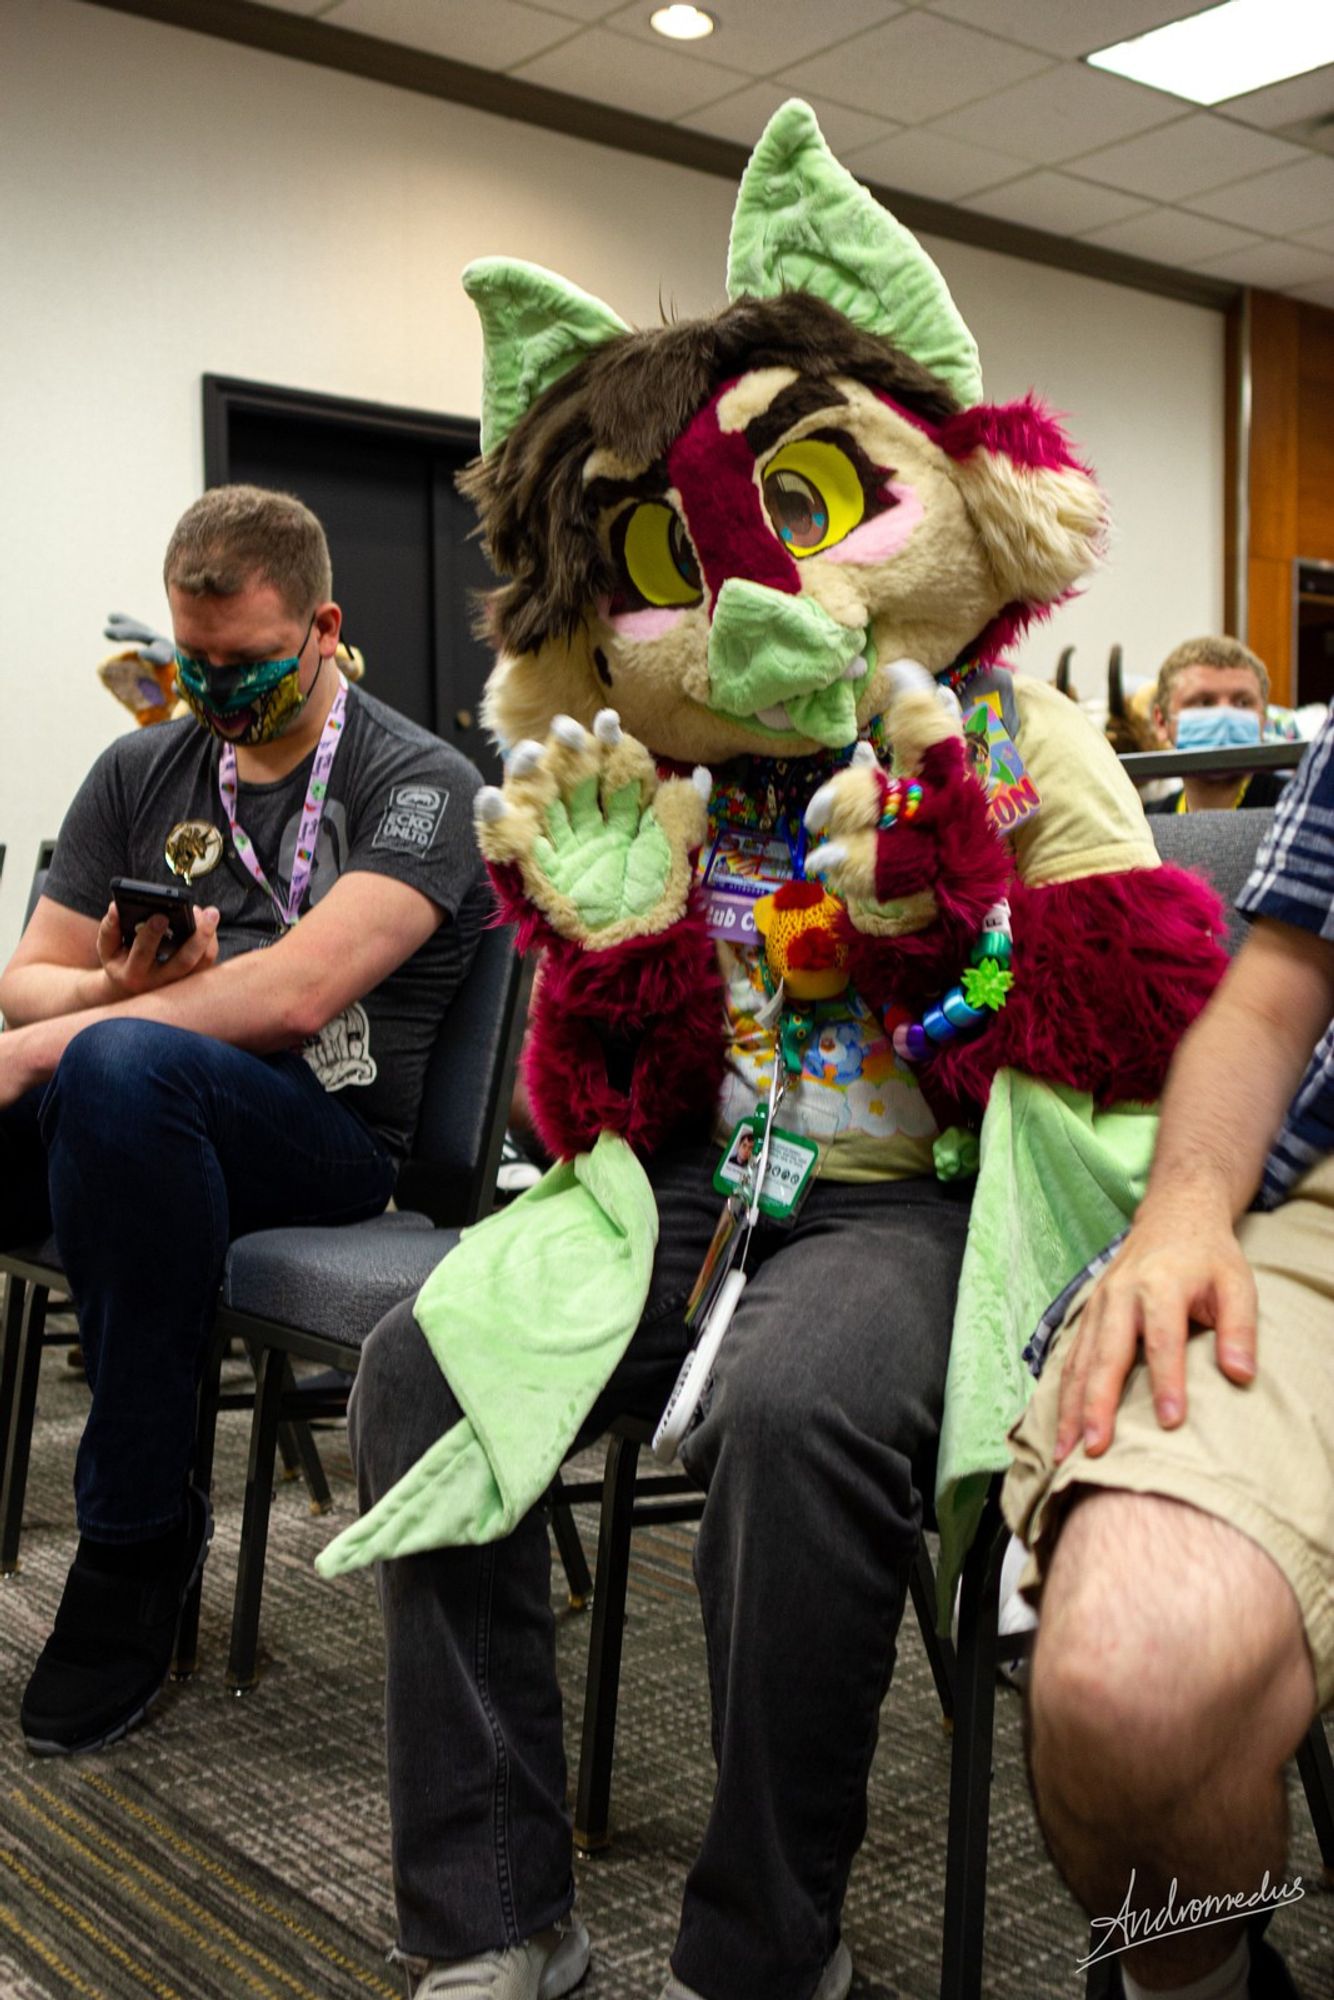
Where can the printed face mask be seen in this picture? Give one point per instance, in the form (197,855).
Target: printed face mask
(245,704)
(1219,728)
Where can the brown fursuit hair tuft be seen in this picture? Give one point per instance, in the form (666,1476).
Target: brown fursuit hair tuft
(633,397)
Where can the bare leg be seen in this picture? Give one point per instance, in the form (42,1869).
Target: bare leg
(1171,1683)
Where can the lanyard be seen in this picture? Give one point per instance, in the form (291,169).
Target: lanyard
(311,813)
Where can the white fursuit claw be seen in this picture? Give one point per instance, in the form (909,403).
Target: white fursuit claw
(821,859)
(909,677)
(569,732)
(817,812)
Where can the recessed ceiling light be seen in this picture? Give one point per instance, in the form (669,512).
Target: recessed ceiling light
(683,24)
(1227,50)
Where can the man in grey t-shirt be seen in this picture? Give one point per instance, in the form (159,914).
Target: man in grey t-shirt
(267,1071)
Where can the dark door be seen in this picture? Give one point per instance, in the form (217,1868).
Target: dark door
(406,572)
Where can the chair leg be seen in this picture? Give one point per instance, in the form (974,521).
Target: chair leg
(939,1648)
(970,1763)
(308,1461)
(11,1338)
(598,1741)
(574,1562)
(255,1520)
(1101,1981)
(206,1429)
(1317,1774)
(22,1415)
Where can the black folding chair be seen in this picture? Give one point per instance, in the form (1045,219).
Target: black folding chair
(313,1294)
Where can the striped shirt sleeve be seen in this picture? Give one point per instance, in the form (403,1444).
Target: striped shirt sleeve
(1293,877)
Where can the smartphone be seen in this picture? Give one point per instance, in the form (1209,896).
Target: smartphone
(136,902)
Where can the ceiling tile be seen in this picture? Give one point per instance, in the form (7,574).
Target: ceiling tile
(496,36)
(1056,202)
(1318,239)
(1170,236)
(583,10)
(915,66)
(762,35)
(1283,103)
(1284,202)
(1067,110)
(1279,267)
(629,75)
(1073,27)
(930,163)
(743,118)
(1187,157)
(1317,295)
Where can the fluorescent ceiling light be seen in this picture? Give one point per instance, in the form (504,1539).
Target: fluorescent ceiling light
(682,24)
(1227,50)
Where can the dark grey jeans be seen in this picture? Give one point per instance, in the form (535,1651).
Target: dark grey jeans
(815,1449)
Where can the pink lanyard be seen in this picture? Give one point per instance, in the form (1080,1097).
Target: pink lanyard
(311,814)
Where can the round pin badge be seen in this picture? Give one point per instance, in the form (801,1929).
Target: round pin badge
(194,847)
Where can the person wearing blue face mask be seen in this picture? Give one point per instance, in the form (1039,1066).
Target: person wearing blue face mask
(1212,694)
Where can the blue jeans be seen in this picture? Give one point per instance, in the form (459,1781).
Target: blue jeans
(147,1153)
(815,1449)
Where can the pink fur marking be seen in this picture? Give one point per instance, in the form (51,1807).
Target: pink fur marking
(883,536)
(1025,432)
(650,624)
(714,472)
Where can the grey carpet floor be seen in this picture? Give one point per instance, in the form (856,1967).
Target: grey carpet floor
(239,1847)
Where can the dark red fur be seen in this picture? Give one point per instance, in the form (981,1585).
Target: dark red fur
(1109,972)
(714,472)
(951,848)
(1025,431)
(660,998)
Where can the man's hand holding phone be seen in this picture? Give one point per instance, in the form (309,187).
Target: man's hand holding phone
(143,944)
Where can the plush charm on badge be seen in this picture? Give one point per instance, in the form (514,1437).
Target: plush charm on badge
(802,944)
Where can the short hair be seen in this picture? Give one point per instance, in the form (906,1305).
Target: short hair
(234,536)
(1207,652)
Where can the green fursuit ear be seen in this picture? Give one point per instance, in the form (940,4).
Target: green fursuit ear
(535,326)
(802,223)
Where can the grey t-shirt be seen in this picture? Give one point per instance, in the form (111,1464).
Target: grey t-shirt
(399,804)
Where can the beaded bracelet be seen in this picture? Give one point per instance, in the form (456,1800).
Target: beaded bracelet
(903,798)
(965,1008)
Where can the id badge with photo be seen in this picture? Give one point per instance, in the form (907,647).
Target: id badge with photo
(788,1174)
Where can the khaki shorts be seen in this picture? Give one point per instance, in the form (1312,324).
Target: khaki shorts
(1260,1458)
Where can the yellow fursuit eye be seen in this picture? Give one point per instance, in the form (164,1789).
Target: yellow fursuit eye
(657,557)
(813,495)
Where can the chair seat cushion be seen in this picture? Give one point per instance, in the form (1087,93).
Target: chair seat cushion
(337,1281)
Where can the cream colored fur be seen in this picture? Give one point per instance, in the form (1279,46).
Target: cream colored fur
(1042,531)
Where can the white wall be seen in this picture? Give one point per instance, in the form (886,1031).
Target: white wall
(176,205)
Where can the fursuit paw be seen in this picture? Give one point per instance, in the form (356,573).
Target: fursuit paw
(878,853)
(603,848)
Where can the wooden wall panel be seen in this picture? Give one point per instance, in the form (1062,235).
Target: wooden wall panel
(1291,468)
(1269,623)
(1275,372)
(1315,436)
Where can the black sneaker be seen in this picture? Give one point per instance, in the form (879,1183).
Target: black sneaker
(109,1656)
